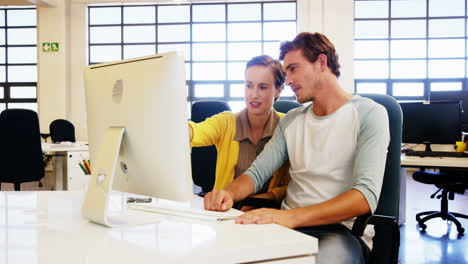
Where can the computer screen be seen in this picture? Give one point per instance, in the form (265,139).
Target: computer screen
(147,97)
(447,96)
(431,123)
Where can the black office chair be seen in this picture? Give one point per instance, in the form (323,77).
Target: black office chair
(449,181)
(62,130)
(283,106)
(386,241)
(21,158)
(204,158)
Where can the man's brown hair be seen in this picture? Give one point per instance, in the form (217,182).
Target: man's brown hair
(312,45)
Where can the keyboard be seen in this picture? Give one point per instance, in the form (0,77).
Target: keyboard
(447,154)
(190,212)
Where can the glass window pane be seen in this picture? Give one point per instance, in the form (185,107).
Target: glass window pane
(208,13)
(413,8)
(2,18)
(408,29)
(237,90)
(446,28)
(22,73)
(377,88)
(209,52)
(446,86)
(174,33)
(244,12)
(22,36)
(408,69)
(408,89)
(443,8)
(371,49)
(2,74)
(245,31)
(287,91)
(408,48)
(438,48)
(170,14)
(30,106)
(2,107)
(209,71)
(139,34)
(371,29)
(279,30)
(2,93)
(139,14)
(446,68)
(105,53)
(23,91)
(244,51)
(209,32)
(133,51)
(236,70)
(105,35)
(370,69)
(2,55)
(2,36)
(370,9)
(279,11)
(20,17)
(22,55)
(105,15)
(272,49)
(185,48)
(187,71)
(209,90)
(236,106)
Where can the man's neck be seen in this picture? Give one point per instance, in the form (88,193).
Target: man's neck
(331,99)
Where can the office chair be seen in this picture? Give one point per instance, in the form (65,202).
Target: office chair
(21,158)
(283,106)
(204,158)
(386,241)
(62,130)
(449,181)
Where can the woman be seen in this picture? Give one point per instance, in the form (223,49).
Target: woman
(240,137)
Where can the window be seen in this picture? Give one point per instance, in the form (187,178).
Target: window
(18,58)
(410,48)
(216,39)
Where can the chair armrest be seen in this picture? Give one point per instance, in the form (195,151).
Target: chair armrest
(362,221)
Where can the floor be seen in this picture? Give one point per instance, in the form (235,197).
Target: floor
(441,242)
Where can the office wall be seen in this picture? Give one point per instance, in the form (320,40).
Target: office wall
(60,75)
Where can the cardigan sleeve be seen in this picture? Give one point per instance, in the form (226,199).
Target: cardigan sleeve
(210,131)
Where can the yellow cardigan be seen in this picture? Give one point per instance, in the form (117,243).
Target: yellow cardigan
(219,130)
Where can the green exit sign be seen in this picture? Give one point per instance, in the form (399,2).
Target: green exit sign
(50,46)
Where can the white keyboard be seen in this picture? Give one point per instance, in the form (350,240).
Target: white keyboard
(190,212)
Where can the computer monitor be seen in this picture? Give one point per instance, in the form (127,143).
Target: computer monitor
(431,123)
(447,96)
(137,131)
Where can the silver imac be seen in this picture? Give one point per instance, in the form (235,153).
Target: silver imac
(137,131)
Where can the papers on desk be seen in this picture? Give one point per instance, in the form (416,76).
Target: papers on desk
(64,146)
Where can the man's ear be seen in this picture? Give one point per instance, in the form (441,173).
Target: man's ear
(322,58)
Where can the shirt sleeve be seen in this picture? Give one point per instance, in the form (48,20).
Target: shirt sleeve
(210,131)
(270,159)
(371,153)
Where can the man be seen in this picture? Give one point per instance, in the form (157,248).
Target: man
(337,147)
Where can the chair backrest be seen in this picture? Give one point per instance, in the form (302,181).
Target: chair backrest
(283,106)
(390,195)
(21,156)
(204,158)
(62,130)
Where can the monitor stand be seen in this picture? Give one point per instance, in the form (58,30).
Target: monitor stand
(96,203)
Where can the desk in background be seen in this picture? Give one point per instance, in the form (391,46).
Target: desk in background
(68,174)
(47,227)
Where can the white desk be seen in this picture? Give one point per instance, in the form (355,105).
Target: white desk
(47,227)
(433,162)
(63,171)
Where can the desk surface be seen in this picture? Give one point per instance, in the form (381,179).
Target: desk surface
(78,146)
(47,227)
(433,162)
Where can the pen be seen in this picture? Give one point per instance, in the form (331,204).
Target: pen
(86,165)
(83,168)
